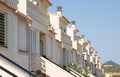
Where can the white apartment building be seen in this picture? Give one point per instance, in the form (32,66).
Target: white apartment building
(59,24)
(38,43)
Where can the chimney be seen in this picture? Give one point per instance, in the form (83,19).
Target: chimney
(73,24)
(89,42)
(59,10)
(82,36)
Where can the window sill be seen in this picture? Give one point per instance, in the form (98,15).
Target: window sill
(23,52)
(3,48)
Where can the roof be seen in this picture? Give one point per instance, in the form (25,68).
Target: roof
(47,2)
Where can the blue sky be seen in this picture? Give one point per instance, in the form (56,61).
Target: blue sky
(98,20)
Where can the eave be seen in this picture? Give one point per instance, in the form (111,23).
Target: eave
(76,30)
(74,49)
(7,5)
(64,19)
(46,2)
(52,31)
(77,37)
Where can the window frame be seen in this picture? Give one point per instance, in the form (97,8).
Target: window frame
(20,19)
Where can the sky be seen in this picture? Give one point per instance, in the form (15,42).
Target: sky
(98,20)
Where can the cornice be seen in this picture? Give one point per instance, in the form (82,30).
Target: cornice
(76,30)
(7,5)
(74,49)
(2,1)
(77,37)
(46,2)
(64,19)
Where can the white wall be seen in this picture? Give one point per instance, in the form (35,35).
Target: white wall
(22,6)
(12,39)
(54,20)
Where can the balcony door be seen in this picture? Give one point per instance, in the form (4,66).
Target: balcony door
(42,44)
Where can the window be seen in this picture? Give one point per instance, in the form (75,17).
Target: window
(61,28)
(2,30)
(66,56)
(50,48)
(41,48)
(64,30)
(59,55)
(22,35)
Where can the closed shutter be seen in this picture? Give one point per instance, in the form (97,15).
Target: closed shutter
(23,30)
(50,48)
(2,29)
(33,40)
(59,56)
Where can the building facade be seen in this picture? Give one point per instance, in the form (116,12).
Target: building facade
(35,42)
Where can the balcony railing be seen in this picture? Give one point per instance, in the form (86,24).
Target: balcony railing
(11,3)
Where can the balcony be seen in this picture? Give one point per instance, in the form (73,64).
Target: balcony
(11,3)
(65,38)
(51,68)
(74,45)
(91,59)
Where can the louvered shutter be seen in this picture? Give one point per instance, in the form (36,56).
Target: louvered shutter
(2,29)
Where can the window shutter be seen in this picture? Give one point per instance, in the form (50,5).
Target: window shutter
(2,29)
(23,36)
(33,40)
(50,47)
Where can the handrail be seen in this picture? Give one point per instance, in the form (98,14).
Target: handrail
(17,65)
(8,71)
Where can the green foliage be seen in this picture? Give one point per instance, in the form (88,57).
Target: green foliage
(112,69)
(67,68)
(110,62)
(76,67)
(86,72)
(102,76)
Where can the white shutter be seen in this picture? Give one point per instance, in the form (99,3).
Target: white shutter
(22,36)
(69,57)
(33,40)
(50,48)
(59,56)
